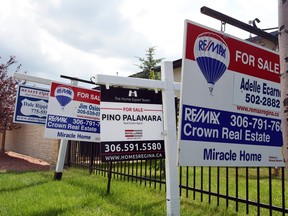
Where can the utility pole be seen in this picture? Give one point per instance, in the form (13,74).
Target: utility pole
(283,54)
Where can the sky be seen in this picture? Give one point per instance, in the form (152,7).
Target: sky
(82,38)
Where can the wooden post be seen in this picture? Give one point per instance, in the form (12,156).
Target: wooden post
(283,53)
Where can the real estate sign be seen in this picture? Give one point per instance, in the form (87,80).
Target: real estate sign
(131,124)
(230,102)
(31,105)
(73,113)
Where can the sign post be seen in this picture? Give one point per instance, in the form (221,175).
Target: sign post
(33,95)
(172,197)
(63,143)
(168,87)
(61,159)
(73,114)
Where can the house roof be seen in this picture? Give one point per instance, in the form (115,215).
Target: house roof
(178,63)
(258,38)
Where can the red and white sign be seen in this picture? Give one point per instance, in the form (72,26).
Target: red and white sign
(230,101)
(73,113)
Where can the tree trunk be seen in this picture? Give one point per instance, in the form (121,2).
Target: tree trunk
(283,53)
(2,141)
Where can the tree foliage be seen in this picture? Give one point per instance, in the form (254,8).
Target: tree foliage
(149,65)
(7,95)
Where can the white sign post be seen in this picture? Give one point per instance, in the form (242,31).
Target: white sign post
(63,143)
(168,87)
(230,102)
(73,114)
(172,184)
(61,159)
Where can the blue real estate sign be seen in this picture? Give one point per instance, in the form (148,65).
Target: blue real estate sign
(230,102)
(31,105)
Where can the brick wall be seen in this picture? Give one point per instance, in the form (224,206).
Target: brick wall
(29,140)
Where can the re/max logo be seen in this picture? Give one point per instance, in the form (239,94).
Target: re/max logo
(201,115)
(205,45)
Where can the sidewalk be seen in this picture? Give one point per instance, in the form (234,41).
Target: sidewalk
(12,161)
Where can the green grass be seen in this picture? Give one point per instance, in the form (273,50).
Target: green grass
(78,193)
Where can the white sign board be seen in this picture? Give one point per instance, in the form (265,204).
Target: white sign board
(230,102)
(73,113)
(131,124)
(31,105)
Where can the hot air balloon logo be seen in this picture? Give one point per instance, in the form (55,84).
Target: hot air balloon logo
(64,95)
(212,55)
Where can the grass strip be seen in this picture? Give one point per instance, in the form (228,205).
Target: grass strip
(78,193)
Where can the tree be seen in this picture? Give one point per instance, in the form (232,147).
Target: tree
(151,70)
(149,65)
(7,97)
(283,53)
